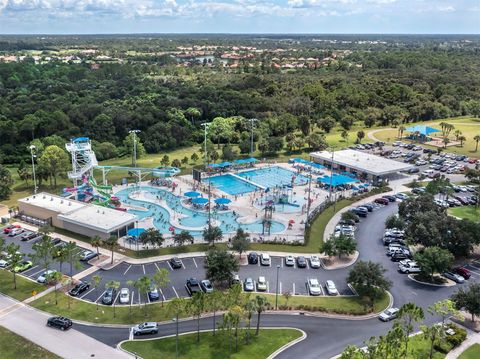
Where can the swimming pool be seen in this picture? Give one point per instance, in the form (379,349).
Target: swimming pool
(273,177)
(195,220)
(232,185)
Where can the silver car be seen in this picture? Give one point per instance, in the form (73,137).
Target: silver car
(248,285)
(453,276)
(331,288)
(388,315)
(314,262)
(145,328)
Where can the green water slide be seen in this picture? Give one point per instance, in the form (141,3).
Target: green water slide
(100,189)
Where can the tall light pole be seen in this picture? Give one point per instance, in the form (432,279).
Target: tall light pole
(309,197)
(134,132)
(331,175)
(205,126)
(276,289)
(252,120)
(32,148)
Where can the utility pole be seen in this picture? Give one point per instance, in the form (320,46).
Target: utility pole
(205,126)
(309,198)
(252,120)
(134,146)
(331,175)
(276,289)
(32,148)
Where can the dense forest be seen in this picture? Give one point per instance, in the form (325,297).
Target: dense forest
(167,101)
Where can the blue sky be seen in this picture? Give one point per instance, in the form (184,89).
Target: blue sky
(239,16)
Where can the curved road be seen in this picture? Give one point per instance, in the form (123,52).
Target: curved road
(326,337)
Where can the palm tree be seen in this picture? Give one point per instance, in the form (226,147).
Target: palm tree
(143,285)
(161,279)
(432,334)
(445,142)
(15,258)
(152,236)
(260,306)
(476,139)
(96,242)
(249,309)
(176,306)
(73,256)
(111,243)
(215,301)
(196,307)
(344,135)
(182,237)
(96,279)
(212,234)
(462,139)
(114,285)
(409,314)
(457,134)
(54,278)
(400,131)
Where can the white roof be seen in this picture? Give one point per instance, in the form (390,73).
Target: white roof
(53,202)
(99,218)
(362,161)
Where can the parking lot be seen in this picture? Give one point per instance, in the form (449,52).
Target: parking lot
(37,269)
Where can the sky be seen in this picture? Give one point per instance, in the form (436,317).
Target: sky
(239,16)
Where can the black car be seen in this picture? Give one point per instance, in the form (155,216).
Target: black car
(358,212)
(390,198)
(56,241)
(79,289)
(109,296)
(28,236)
(398,256)
(252,258)
(176,263)
(61,323)
(301,262)
(193,286)
(413,170)
(368,206)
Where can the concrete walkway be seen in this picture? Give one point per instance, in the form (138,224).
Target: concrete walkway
(472,338)
(31,324)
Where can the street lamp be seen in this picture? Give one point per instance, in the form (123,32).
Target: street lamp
(134,132)
(205,126)
(331,176)
(32,148)
(176,336)
(276,289)
(252,120)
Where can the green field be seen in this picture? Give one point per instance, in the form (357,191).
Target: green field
(472,352)
(468,212)
(216,346)
(419,348)
(14,346)
(24,289)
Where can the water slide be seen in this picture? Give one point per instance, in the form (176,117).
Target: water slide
(100,189)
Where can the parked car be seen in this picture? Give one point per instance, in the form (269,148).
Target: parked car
(410,267)
(248,285)
(23,266)
(398,256)
(301,262)
(206,286)
(175,262)
(193,286)
(252,258)
(389,314)
(331,288)
(390,198)
(314,262)
(418,190)
(383,201)
(15,232)
(413,170)
(289,261)
(61,323)
(4,263)
(314,287)
(457,278)
(145,328)
(401,196)
(42,278)
(261,284)
(29,235)
(10,228)
(85,256)
(109,296)
(236,279)
(79,289)
(153,293)
(124,297)
(464,272)
(265,259)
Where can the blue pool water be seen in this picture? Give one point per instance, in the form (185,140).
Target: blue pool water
(191,218)
(273,176)
(231,184)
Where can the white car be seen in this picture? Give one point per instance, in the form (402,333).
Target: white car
(261,284)
(289,261)
(331,288)
(314,287)
(265,259)
(15,232)
(124,296)
(42,278)
(410,267)
(388,315)
(3,263)
(314,262)
(401,196)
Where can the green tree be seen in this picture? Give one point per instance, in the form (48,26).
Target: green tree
(344,134)
(240,241)
(212,234)
(192,113)
(162,278)
(433,334)
(128,144)
(176,163)
(326,124)
(401,129)
(185,160)
(462,139)
(408,315)
(165,160)
(443,308)
(433,260)
(220,265)
(15,258)
(54,279)
(56,162)
(215,301)
(261,304)
(96,242)
(152,236)
(194,157)
(196,307)
(183,237)
(476,138)
(368,280)
(360,136)
(177,307)
(6,183)
(394,221)
(43,251)
(23,172)
(339,245)
(111,243)
(114,285)
(95,282)
(249,309)
(143,285)
(468,299)
(72,256)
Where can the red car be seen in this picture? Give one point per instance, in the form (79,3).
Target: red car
(464,272)
(10,227)
(472,160)
(382,200)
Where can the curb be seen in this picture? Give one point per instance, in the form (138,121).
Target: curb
(352,262)
(448,284)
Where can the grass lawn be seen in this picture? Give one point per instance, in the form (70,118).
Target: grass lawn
(24,289)
(467,212)
(216,346)
(473,352)
(419,348)
(14,346)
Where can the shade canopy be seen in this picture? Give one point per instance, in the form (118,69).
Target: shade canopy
(192,194)
(245,160)
(223,201)
(422,129)
(135,232)
(219,165)
(200,200)
(307,163)
(336,180)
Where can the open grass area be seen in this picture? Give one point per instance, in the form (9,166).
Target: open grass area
(217,346)
(472,352)
(14,346)
(419,348)
(24,289)
(467,212)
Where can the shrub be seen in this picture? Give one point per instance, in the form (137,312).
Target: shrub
(459,336)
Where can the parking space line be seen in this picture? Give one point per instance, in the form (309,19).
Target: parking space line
(268,287)
(156,266)
(194,262)
(170,266)
(148,298)
(293,289)
(34,274)
(321,290)
(90,291)
(280,287)
(281,263)
(30,269)
(161,292)
(143,266)
(139,299)
(101,295)
(116,298)
(183,265)
(130,266)
(130,335)
(175,291)
(131,300)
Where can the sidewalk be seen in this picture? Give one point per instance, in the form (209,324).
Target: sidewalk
(30,324)
(472,338)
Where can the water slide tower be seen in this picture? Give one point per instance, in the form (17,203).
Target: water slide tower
(83,159)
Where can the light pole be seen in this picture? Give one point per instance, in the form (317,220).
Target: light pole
(134,132)
(331,175)
(252,120)
(32,148)
(176,336)
(205,126)
(276,289)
